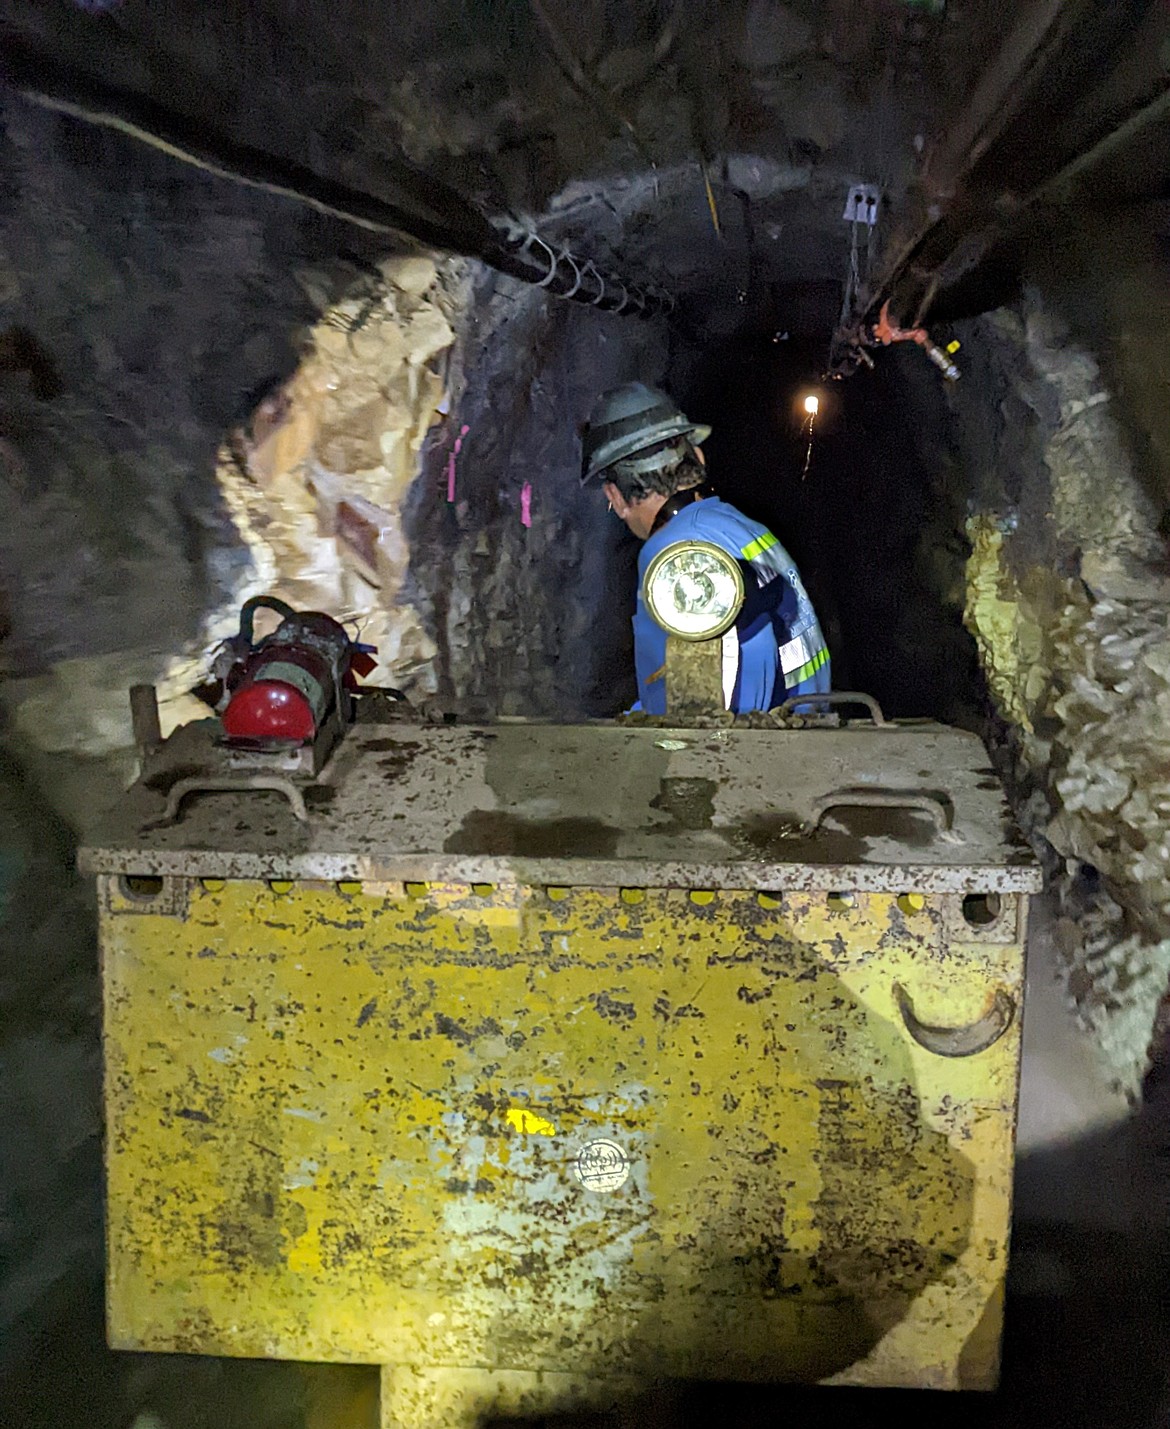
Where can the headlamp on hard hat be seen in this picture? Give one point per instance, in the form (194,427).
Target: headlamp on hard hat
(694,589)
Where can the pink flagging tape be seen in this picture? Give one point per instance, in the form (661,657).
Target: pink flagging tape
(451,463)
(526,504)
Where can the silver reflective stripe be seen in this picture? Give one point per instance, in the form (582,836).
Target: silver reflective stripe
(796,653)
(730,665)
(300,680)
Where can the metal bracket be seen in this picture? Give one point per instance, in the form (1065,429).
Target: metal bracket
(144,719)
(170,900)
(1004,928)
(839,697)
(694,677)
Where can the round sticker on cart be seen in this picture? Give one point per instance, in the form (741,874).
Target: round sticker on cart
(602,1166)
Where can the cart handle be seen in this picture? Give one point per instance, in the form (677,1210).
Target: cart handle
(838,697)
(966,1041)
(930,804)
(184,788)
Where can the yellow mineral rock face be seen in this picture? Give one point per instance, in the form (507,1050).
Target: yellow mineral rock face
(318,496)
(993,617)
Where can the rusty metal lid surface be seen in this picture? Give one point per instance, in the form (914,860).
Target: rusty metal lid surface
(915,807)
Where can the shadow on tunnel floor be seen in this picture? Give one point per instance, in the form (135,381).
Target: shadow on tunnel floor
(67,1378)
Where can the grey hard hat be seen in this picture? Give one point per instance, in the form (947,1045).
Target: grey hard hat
(629,419)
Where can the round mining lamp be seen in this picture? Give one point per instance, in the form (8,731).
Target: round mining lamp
(694,589)
(812,405)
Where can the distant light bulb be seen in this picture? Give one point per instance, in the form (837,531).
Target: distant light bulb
(812,405)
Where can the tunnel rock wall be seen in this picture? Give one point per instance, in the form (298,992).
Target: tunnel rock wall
(143,307)
(1069,603)
(527,579)
(318,479)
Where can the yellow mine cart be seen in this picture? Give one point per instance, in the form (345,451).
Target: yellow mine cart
(532,1063)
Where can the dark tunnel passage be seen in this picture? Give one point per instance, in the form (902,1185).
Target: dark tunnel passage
(872,526)
(873,508)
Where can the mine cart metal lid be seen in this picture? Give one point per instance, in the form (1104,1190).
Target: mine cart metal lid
(605,805)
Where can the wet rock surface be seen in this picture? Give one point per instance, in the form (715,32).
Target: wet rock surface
(1068,599)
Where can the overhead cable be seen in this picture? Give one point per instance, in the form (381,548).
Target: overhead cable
(420,207)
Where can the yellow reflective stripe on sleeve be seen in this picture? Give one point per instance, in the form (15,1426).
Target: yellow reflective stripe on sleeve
(808,670)
(759,546)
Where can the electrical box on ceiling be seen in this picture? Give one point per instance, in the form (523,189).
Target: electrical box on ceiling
(862,205)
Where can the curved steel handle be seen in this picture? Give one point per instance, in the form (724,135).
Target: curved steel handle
(958,1041)
(839,697)
(184,788)
(935,808)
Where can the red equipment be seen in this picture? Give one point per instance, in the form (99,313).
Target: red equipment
(283,690)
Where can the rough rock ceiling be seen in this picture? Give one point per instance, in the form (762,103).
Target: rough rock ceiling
(644,126)
(509,100)
(529,105)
